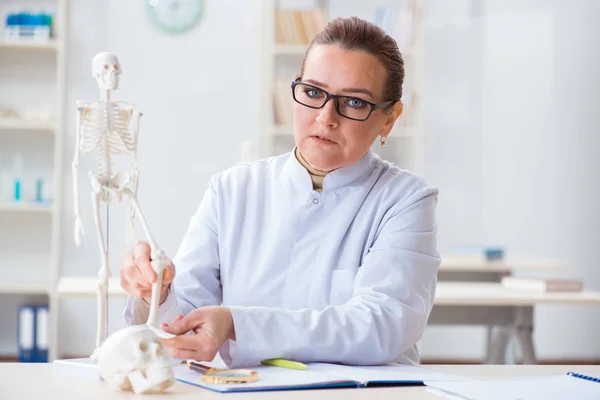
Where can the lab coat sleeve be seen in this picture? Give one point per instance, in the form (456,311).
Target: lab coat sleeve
(197,282)
(391,301)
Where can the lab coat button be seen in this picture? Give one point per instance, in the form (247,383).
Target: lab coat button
(315,201)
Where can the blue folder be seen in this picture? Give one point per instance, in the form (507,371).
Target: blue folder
(32,333)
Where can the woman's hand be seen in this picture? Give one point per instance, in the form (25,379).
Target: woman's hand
(137,275)
(211,327)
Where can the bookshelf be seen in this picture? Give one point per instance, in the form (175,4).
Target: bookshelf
(24,289)
(52,45)
(32,76)
(288,28)
(25,207)
(17,125)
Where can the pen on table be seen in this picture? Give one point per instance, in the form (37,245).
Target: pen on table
(196,366)
(280,362)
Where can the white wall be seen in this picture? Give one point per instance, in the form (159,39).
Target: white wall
(511,149)
(529,179)
(453,80)
(551,187)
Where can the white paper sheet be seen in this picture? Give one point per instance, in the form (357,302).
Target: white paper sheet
(545,388)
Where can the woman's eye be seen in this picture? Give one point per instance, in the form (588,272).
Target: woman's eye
(356,103)
(313,92)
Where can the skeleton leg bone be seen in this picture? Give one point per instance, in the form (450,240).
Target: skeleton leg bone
(158,262)
(104,272)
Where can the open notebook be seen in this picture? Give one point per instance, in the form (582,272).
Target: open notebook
(321,375)
(557,387)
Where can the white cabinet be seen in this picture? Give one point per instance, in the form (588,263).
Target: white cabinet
(32,93)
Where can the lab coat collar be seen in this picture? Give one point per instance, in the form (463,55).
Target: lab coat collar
(333,180)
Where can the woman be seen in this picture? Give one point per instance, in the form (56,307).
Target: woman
(327,253)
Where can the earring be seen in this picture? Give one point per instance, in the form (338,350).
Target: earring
(382,141)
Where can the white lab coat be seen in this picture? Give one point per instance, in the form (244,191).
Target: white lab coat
(347,275)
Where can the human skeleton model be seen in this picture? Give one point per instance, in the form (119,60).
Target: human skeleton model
(108,129)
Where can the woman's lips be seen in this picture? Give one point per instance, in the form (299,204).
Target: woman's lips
(322,139)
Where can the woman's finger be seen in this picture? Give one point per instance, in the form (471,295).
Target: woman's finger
(204,348)
(183,342)
(185,354)
(169,273)
(135,276)
(141,255)
(182,324)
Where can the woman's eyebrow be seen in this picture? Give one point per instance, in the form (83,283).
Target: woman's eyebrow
(347,90)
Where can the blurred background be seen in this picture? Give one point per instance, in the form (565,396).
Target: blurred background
(500,115)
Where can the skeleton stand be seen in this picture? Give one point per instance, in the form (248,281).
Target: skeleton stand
(107,255)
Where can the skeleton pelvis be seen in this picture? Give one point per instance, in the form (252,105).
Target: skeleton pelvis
(110,189)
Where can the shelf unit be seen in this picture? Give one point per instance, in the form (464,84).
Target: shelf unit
(18,125)
(52,45)
(405,143)
(25,288)
(18,212)
(85,286)
(26,207)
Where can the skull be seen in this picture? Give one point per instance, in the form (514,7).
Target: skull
(106,70)
(133,358)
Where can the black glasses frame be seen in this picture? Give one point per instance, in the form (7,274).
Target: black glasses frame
(336,98)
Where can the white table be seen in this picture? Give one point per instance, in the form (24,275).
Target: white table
(36,381)
(469,268)
(509,311)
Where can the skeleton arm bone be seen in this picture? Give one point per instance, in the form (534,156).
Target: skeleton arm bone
(74,168)
(135,173)
(158,262)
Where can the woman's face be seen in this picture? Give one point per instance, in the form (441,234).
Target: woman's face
(327,140)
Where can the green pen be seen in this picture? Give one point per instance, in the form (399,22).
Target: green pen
(280,362)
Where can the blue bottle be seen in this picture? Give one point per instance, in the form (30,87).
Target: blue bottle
(17,175)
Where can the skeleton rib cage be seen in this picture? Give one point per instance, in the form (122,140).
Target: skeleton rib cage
(105,130)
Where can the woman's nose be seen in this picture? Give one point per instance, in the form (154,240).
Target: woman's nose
(328,115)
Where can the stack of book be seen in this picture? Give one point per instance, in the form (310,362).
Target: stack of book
(298,27)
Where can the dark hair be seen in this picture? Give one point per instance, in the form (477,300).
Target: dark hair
(353,33)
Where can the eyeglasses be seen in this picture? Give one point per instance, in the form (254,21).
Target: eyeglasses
(348,107)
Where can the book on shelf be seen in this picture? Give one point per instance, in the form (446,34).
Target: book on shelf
(480,252)
(283,102)
(298,27)
(542,284)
